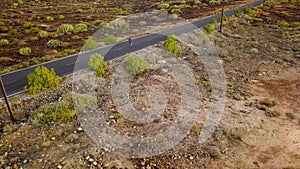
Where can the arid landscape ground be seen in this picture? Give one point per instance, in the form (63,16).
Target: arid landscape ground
(260,127)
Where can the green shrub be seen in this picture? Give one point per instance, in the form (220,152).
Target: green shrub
(283,1)
(172,46)
(97,63)
(295,24)
(283,24)
(119,11)
(95,10)
(248,11)
(49,19)
(119,24)
(67,52)
(4,42)
(175,11)
(101,69)
(209,28)
(214,2)
(20,2)
(2,23)
(32,30)
(3,29)
(42,79)
(25,51)
(90,44)
(62,111)
(284,13)
(164,5)
(28,25)
(79,11)
(108,40)
(81,27)
(54,43)
(65,29)
(61,17)
(43,34)
(99,23)
(79,101)
(197,2)
(34,38)
(214,21)
(75,37)
(136,65)
(13,32)
(237,12)
(295,2)
(257,19)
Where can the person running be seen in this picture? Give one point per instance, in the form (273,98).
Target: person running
(130,40)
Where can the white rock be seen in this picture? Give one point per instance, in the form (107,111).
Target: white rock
(80,129)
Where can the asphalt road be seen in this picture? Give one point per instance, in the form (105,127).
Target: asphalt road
(14,82)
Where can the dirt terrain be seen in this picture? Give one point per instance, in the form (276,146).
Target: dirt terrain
(260,127)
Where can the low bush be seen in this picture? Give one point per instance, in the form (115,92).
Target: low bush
(79,11)
(42,79)
(248,11)
(67,52)
(52,113)
(172,46)
(4,42)
(209,28)
(119,24)
(99,23)
(26,51)
(108,40)
(136,65)
(164,5)
(3,29)
(97,63)
(90,44)
(34,38)
(49,19)
(65,29)
(283,24)
(237,12)
(295,24)
(119,11)
(13,32)
(81,27)
(61,17)
(197,2)
(176,11)
(43,34)
(54,43)
(28,25)
(214,2)
(75,37)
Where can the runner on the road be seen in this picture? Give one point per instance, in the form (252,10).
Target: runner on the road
(130,40)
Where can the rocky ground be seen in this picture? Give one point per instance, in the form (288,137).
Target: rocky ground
(260,127)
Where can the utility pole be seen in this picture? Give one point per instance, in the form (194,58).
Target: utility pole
(221,25)
(6,100)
